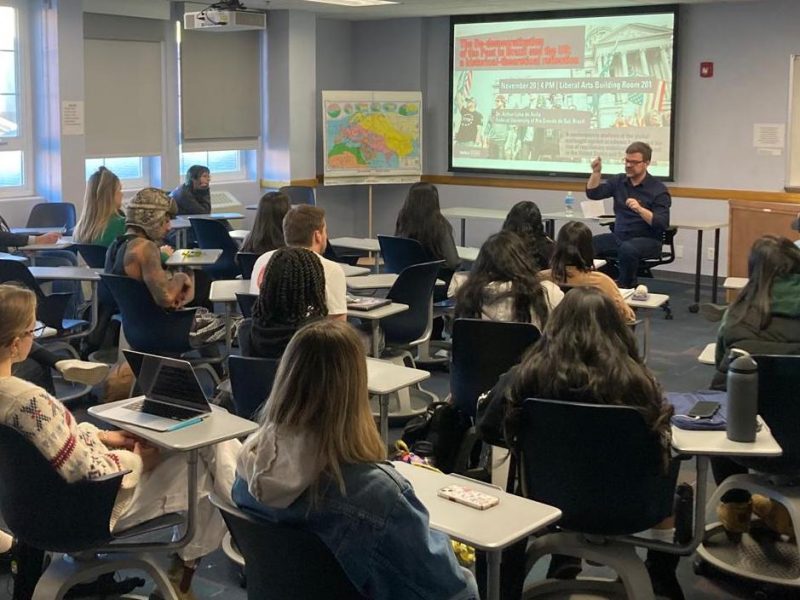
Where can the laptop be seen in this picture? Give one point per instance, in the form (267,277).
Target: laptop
(365,303)
(173,397)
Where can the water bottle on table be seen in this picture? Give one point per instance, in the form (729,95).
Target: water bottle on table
(569,204)
(742,399)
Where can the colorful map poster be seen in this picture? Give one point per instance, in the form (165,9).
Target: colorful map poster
(372,137)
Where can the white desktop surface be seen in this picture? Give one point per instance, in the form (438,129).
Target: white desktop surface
(62,244)
(707,356)
(385,377)
(653,301)
(466,212)
(365,244)
(716,443)
(14,257)
(217,216)
(217,427)
(511,520)
(387,310)
(206,257)
(180,223)
(225,290)
(36,230)
(468,253)
(354,270)
(734,283)
(239,234)
(65,273)
(381,281)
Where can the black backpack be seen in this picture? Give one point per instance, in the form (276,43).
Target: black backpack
(443,426)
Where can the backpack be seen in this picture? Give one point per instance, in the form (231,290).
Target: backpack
(444,426)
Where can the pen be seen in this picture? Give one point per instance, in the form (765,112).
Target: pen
(187,423)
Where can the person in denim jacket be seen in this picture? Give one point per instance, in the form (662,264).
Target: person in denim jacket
(316,461)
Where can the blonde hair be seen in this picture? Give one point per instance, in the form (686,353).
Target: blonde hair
(98,206)
(321,389)
(17,310)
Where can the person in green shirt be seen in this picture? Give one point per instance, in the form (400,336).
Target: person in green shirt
(101,219)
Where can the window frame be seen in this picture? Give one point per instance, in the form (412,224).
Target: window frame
(241,174)
(128,183)
(23,141)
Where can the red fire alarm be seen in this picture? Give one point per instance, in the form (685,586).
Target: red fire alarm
(706,69)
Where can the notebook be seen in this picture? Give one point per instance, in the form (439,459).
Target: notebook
(365,302)
(173,397)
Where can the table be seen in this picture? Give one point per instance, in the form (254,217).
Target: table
(652,301)
(380,281)
(193,258)
(73,274)
(220,216)
(385,377)
(707,356)
(372,245)
(374,316)
(239,234)
(492,530)
(734,283)
(465,212)
(37,230)
(219,426)
(14,257)
(63,244)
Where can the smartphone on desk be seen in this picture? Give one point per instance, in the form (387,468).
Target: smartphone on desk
(468,497)
(703,409)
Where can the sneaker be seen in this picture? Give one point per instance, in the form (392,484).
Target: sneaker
(81,371)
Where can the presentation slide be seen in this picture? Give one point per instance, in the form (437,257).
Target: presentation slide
(545,94)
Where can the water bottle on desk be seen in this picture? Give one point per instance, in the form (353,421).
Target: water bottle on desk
(742,399)
(569,204)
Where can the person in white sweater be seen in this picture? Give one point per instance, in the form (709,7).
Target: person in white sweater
(155,484)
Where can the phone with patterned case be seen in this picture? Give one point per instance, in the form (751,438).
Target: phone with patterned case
(468,497)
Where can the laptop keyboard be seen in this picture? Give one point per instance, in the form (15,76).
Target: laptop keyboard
(162,410)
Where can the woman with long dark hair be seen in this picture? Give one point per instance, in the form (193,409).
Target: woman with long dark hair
(421,219)
(503,285)
(573,265)
(267,232)
(525,219)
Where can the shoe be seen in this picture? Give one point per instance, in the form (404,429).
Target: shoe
(712,312)
(176,574)
(661,567)
(735,511)
(773,514)
(81,371)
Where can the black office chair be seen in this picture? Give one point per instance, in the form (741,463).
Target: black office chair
(251,383)
(333,254)
(399,253)
(602,466)
(246,262)
(44,511)
(246,303)
(283,561)
(212,234)
(646,265)
(299,194)
(53,214)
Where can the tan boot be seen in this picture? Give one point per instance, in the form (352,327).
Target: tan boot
(774,515)
(180,576)
(734,512)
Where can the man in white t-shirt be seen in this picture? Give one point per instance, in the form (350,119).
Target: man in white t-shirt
(304,226)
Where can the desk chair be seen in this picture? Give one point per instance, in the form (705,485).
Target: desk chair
(246,303)
(482,351)
(299,194)
(212,234)
(646,265)
(607,484)
(53,214)
(246,262)
(761,556)
(94,255)
(43,511)
(251,383)
(284,561)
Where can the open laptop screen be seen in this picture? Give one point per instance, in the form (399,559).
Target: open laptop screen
(167,379)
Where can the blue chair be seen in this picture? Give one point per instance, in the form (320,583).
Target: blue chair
(45,512)
(251,382)
(246,303)
(399,253)
(93,254)
(211,234)
(414,287)
(284,561)
(602,466)
(246,262)
(53,214)
(299,194)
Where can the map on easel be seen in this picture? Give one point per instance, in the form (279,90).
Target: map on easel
(372,137)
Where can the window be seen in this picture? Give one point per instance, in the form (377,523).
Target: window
(133,171)
(15,130)
(225,165)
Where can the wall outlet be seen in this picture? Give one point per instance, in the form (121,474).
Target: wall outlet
(678,251)
(710,253)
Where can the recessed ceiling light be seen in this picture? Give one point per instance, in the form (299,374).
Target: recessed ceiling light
(354,3)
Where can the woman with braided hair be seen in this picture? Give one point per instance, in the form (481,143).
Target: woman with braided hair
(292,294)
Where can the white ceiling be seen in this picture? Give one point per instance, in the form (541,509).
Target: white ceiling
(431,8)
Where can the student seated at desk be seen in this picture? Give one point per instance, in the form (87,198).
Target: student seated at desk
(16,240)
(525,219)
(193,196)
(267,232)
(154,486)
(503,285)
(317,461)
(292,294)
(586,354)
(573,265)
(102,220)
(304,227)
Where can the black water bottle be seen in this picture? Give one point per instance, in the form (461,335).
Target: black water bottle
(742,399)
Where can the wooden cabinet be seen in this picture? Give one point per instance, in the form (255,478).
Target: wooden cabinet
(749,221)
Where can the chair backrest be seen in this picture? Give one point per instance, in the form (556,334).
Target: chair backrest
(50,309)
(600,464)
(414,287)
(399,253)
(299,194)
(283,561)
(243,335)
(147,326)
(93,254)
(212,234)
(53,214)
(482,351)
(667,255)
(251,382)
(42,509)
(778,382)
(246,262)
(246,303)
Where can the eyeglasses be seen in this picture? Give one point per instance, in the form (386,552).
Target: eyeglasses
(36,331)
(633,163)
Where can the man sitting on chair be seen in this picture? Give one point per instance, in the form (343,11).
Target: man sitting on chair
(304,227)
(641,209)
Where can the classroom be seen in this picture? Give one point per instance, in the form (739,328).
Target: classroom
(145,102)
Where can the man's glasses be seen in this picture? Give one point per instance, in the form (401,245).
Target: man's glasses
(36,331)
(633,163)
